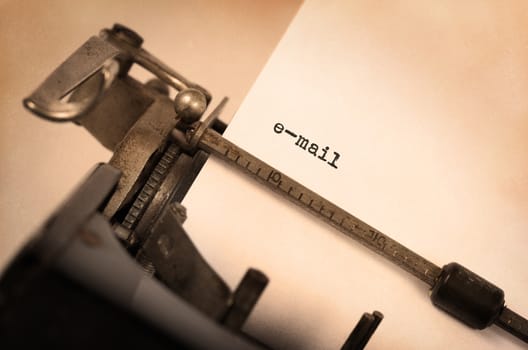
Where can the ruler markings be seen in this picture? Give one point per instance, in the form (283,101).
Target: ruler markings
(321,208)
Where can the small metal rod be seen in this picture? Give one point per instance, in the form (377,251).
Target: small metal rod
(513,323)
(361,334)
(244,298)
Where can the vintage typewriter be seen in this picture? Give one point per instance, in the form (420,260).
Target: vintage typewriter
(114,265)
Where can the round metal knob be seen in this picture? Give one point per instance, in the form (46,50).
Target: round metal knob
(189,105)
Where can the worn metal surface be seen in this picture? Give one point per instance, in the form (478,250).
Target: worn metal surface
(163,196)
(46,102)
(330,213)
(150,187)
(176,184)
(117,110)
(139,151)
(179,265)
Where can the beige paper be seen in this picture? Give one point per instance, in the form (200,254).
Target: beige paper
(426,104)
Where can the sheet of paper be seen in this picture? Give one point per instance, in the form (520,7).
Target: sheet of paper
(422,110)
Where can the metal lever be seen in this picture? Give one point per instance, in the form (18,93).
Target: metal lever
(101,58)
(46,101)
(244,298)
(361,334)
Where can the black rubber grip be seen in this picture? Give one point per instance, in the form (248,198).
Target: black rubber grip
(467,296)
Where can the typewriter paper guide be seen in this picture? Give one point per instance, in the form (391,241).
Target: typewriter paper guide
(426,106)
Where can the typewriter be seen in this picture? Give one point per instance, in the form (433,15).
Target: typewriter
(114,264)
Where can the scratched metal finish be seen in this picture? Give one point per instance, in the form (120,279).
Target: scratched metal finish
(413,263)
